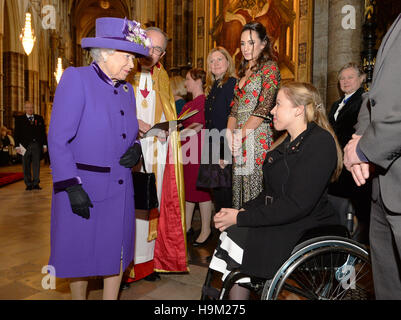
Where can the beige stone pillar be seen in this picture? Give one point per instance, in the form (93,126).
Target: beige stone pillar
(344,45)
(320,46)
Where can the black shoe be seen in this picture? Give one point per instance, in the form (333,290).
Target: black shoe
(199,244)
(125,285)
(28,188)
(152,277)
(37,187)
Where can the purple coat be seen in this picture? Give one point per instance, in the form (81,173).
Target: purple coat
(92,125)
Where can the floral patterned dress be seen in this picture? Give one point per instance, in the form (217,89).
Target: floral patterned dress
(256,98)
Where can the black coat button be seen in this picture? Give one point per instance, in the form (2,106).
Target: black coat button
(122,112)
(372,102)
(124,136)
(120,181)
(115,92)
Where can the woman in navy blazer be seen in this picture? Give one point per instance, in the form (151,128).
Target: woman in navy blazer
(216,171)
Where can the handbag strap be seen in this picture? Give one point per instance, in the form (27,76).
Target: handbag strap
(143,162)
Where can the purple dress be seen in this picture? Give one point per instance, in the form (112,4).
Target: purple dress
(93,123)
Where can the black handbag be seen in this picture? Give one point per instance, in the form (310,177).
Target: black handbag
(145,192)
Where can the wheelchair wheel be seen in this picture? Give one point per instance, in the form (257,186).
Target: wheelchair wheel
(324,268)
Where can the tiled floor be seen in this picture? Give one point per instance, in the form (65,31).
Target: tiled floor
(25,248)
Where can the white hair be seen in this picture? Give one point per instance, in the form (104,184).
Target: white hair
(161,32)
(96,54)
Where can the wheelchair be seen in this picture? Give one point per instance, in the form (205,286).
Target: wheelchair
(326,264)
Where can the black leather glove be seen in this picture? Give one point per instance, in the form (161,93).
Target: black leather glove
(79,200)
(132,156)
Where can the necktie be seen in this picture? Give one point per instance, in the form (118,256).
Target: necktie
(30,119)
(340,106)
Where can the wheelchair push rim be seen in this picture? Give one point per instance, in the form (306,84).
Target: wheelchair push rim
(326,268)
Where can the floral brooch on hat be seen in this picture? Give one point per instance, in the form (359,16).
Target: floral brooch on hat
(134,33)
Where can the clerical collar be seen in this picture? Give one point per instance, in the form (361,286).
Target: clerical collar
(157,65)
(105,77)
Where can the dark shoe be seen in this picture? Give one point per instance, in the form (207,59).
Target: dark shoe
(37,187)
(28,188)
(199,244)
(125,285)
(152,277)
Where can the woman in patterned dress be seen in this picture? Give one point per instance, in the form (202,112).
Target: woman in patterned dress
(249,124)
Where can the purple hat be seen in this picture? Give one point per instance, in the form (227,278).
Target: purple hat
(119,34)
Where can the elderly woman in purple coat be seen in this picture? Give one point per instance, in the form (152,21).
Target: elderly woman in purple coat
(92,145)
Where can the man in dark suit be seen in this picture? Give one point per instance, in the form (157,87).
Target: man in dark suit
(30,133)
(377,144)
(343,116)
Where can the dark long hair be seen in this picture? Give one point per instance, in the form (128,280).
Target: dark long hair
(267,53)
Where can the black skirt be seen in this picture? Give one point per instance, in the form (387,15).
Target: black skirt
(229,252)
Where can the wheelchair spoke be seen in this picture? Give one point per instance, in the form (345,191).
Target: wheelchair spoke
(308,294)
(328,271)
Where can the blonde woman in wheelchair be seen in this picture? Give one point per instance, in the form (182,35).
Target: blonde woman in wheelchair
(259,238)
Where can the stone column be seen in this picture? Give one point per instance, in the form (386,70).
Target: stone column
(13,85)
(32,88)
(344,45)
(320,47)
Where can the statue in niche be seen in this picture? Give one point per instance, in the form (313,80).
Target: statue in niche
(235,14)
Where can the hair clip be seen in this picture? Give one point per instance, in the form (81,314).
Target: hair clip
(319,106)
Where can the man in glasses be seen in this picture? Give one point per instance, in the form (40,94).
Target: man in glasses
(155,104)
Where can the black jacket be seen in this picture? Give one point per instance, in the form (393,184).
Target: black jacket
(217,104)
(296,175)
(27,132)
(347,117)
(217,108)
(344,129)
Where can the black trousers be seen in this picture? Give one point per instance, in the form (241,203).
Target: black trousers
(31,164)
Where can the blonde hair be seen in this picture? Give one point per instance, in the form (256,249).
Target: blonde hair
(305,94)
(178,86)
(210,79)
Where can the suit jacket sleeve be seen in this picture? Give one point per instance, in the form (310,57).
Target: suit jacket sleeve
(304,187)
(384,129)
(363,116)
(69,103)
